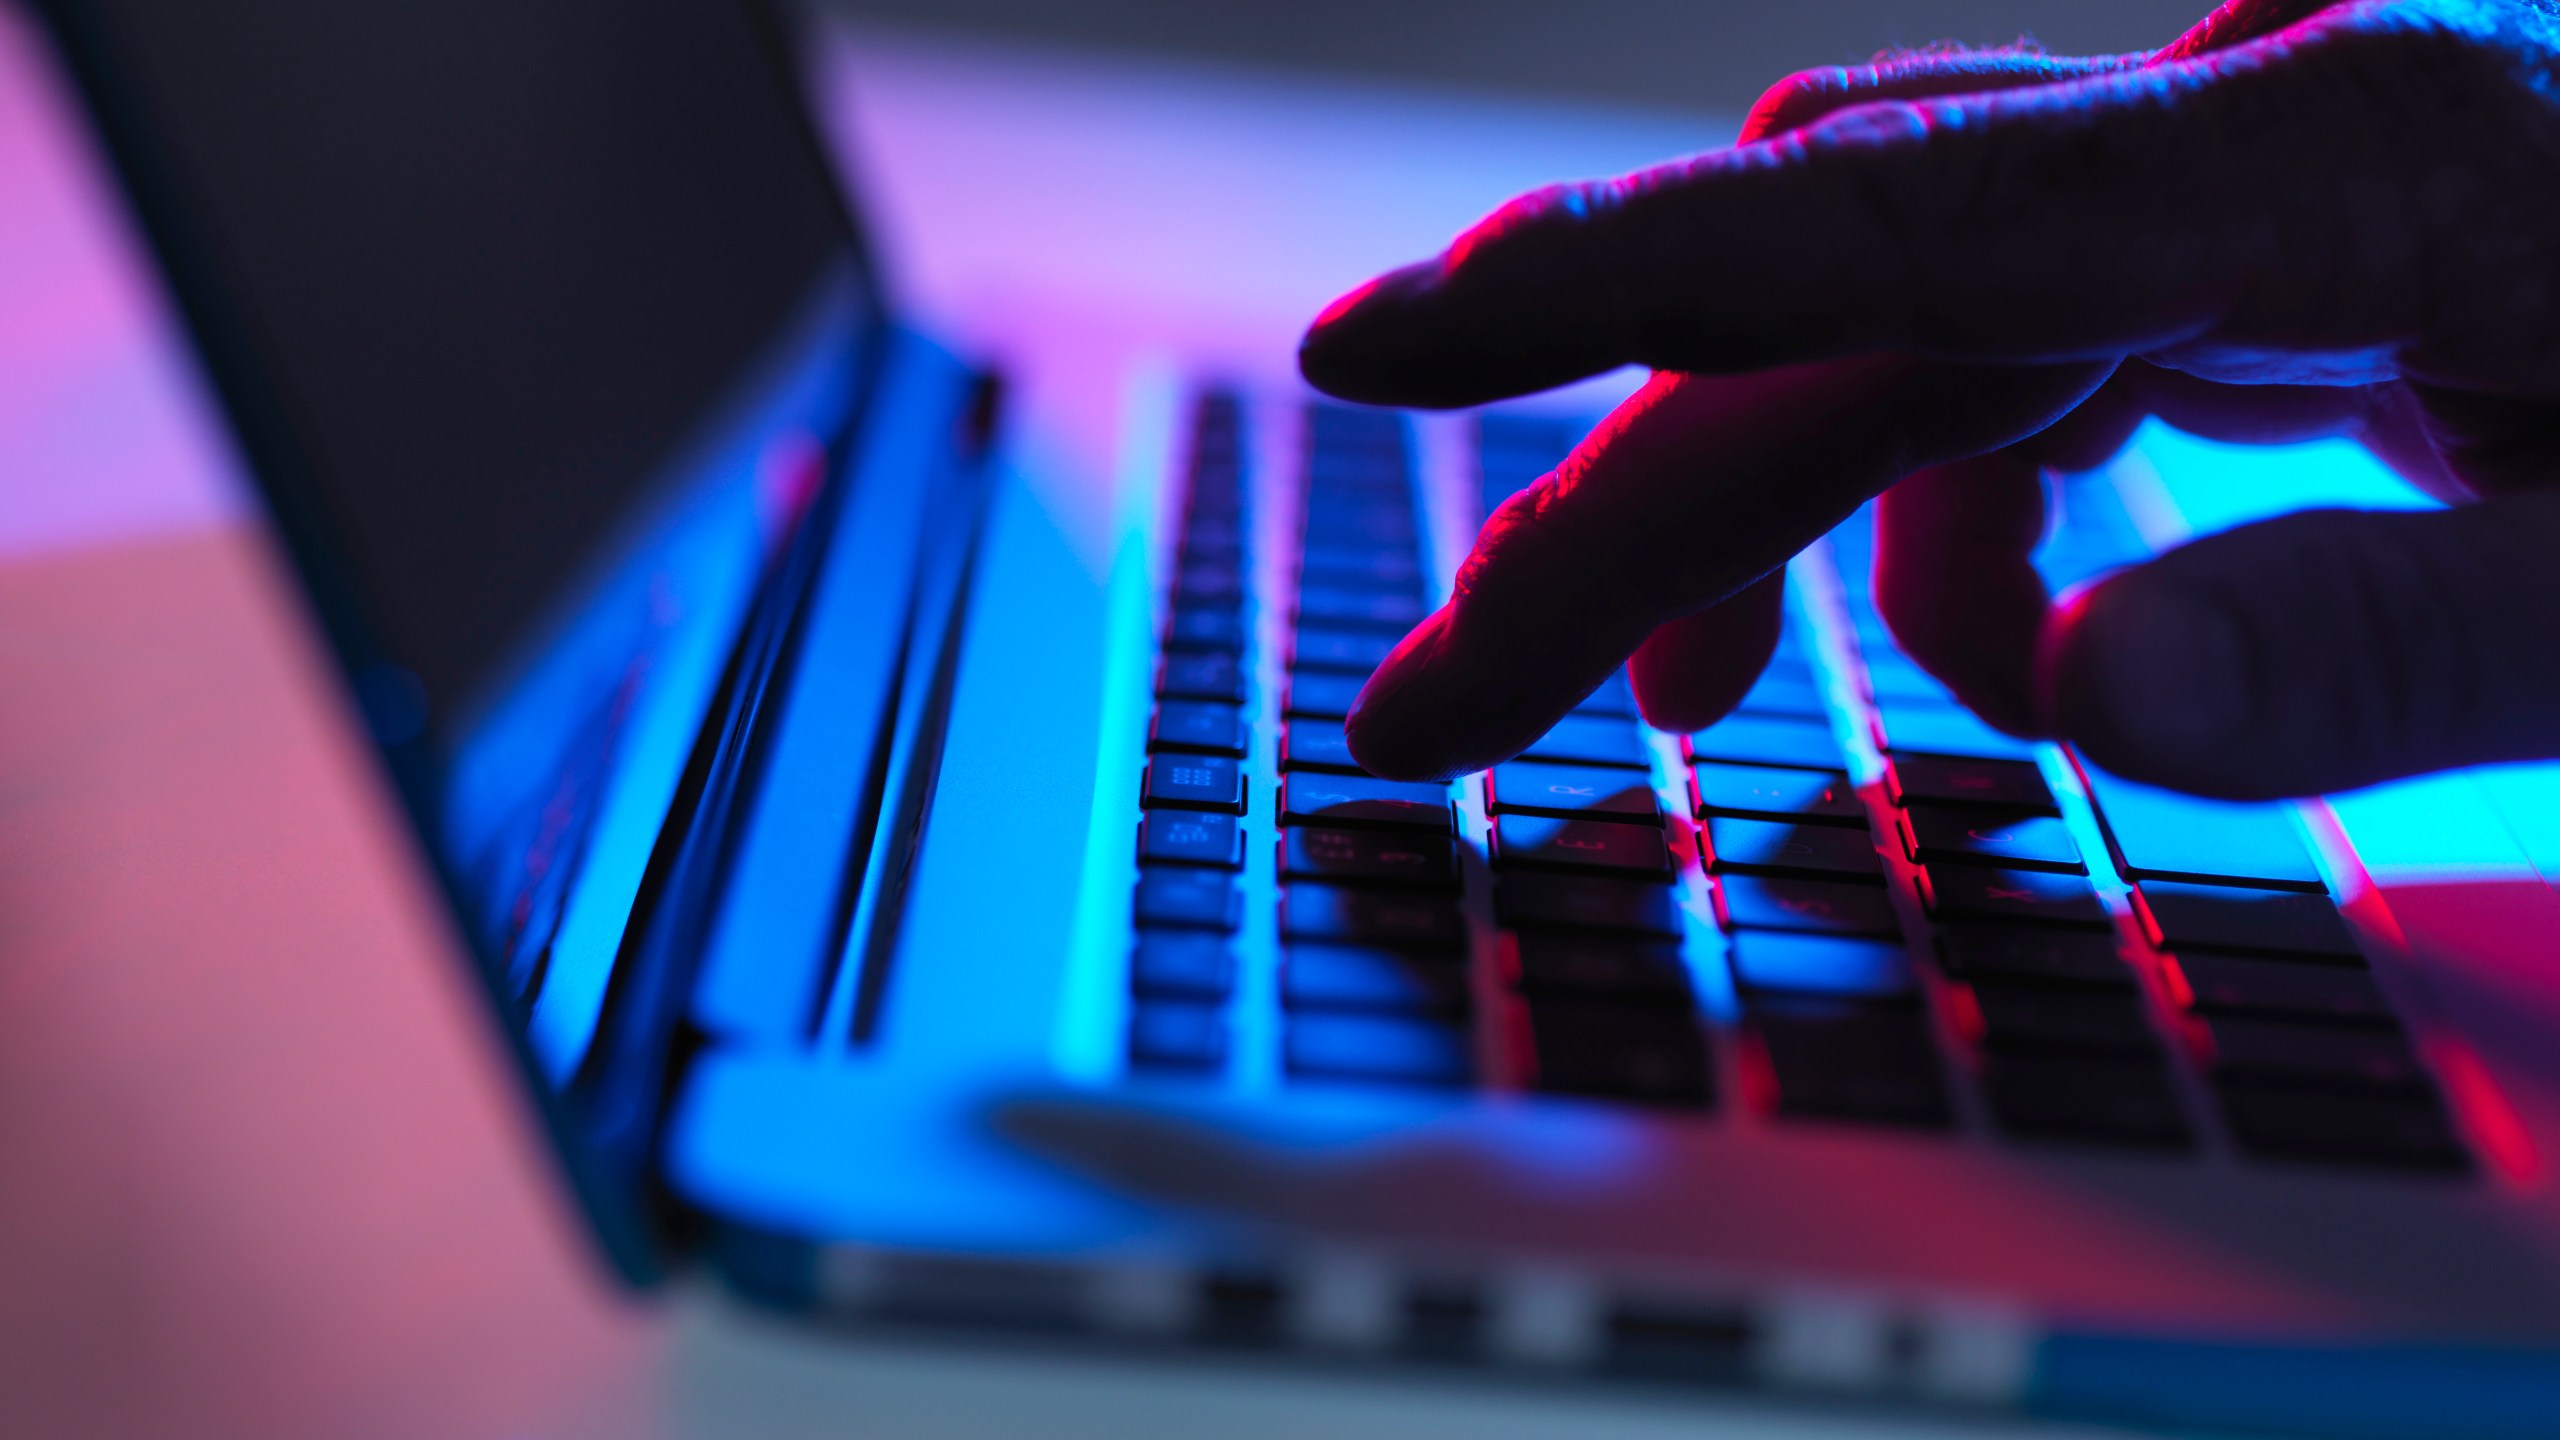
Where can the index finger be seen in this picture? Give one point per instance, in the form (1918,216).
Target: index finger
(2092,218)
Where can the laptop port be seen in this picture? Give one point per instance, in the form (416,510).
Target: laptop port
(1444,1320)
(1241,1308)
(1673,1340)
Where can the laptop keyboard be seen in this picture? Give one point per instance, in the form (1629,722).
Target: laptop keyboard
(1903,933)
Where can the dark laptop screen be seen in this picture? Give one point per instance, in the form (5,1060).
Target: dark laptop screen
(494,262)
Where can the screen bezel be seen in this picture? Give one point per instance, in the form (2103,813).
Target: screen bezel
(606,1160)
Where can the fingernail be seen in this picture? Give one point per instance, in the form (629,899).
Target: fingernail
(2154,680)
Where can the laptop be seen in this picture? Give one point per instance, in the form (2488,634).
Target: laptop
(918,922)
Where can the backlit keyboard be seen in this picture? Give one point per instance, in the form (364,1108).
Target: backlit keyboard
(1902,931)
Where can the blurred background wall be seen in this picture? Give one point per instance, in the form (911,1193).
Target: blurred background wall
(1693,54)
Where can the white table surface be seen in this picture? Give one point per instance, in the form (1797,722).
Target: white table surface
(260,1172)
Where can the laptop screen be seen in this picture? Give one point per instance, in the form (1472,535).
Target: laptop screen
(535,319)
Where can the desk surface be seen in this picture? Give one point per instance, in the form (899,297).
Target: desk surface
(263,1173)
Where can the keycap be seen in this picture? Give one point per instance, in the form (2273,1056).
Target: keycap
(1201,675)
(1741,845)
(1618,1052)
(1961,835)
(1601,966)
(2240,984)
(1811,796)
(1835,1062)
(2156,833)
(1981,892)
(1311,798)
(1191,838)
(1572,791)
(1365,977)
(2035,954)
(1956,780)
(1205,627)
(1592,740)
(1171,1035)
(2039,1017)
(1356,568)
(1944,728)
(1409,919)
(1396,1050)
(1360,521)
(1613,697)
(1195,782)
(2084,1100)
(1323,695)
(1837,966)
(1792,696)
(1397,857)
(1766,740)
(1198,725)
(2329,1054)
(1310,744)
(1212,534)
(1192,963)
(1541,840)
(1826,907)
(1181,895)
(2406,1130)
(1353,608)
(1358,651)
(1526,898)
(1208,582)
(2218,917)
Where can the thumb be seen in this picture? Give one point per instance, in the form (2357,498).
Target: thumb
(2320,651)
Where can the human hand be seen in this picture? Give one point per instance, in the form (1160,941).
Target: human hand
(1931,278)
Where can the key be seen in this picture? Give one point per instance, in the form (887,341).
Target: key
(1319,695)
(1820,906)
(1397,857)
(2036,954)
(1834,966)
(1357,651)
(1191,838)
(1761,792)
(1762,740)
(1614,697)
(1201,627)
(2286,1050)
(2086,1101)
(2238,984)
(1182,963)
(1396,570)
(1362,521)
(1178,895)
(2278,1122)
(1844,1063)
(1197,725)
(1317,745)
(1541,840)
(1783,695)
(1195,782)
(1944,728)
(1649,1057)
(2155,834)
(1572,792)
(1592,740)
(1772,847)
(1954,780)
(1396,1050)
(1979,892)
(2034,1017)
(1406,919)
(1952,834)
(1211,534)
(2220,917)
(1351,608)
(1201,675)
(1170,1035)
(1307,798)
(1602,967)
(1360,977)
(1585,902)
(1208,582)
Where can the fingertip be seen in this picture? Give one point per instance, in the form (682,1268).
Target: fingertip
(2154,681)
(1395,729)
(1359,347)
